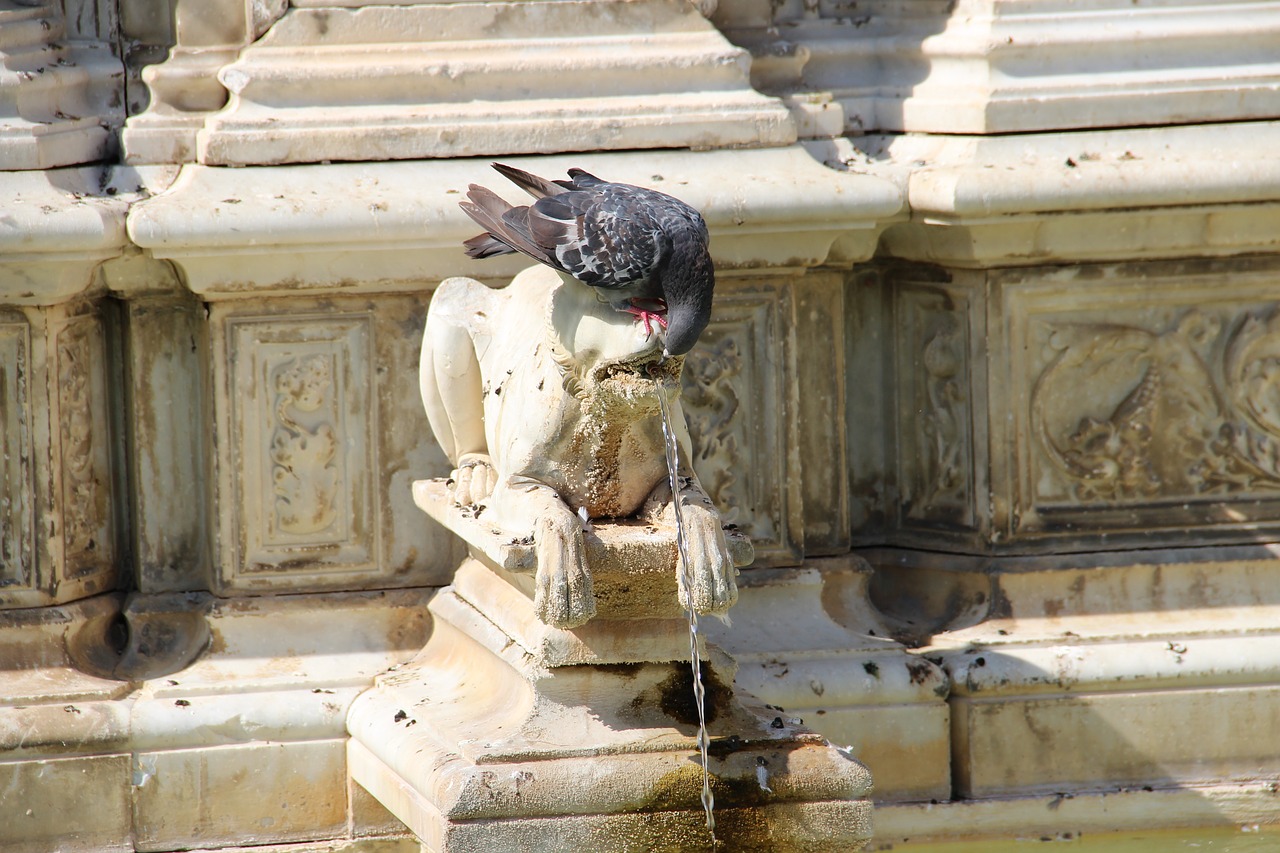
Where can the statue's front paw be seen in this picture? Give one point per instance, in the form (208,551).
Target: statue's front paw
(563,597)
(474,479)
(711,573)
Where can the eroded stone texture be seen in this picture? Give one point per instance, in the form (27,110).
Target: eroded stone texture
(59,535)
(1028,420)
(60,87)
(986,67)
(315,448)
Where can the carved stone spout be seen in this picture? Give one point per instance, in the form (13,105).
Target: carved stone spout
(545,400)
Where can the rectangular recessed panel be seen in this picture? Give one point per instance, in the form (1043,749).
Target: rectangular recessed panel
(1143,401)
(83,434)
(16,556)
(303,459)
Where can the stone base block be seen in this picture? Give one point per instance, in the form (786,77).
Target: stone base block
(479,745)
(841,674)
(1152,672)
(45,805)
(213,724)
(221,796)
(1064,817)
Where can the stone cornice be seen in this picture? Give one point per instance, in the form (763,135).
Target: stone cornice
(395,225)
(1096,195)
(56,226)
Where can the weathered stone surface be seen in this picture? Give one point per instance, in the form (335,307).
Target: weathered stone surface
(316,446)
(381,227)
(38,798)
(991,67)
(478,740)
(1025,420)
(1117,195)
(260,793)
(460,80)
(805,641)
(59,535)
(1140,673)
(59,88)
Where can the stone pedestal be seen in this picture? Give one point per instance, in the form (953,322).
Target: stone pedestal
(507,734)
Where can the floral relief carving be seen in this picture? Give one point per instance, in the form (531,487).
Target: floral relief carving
(304,446)
(1125,413)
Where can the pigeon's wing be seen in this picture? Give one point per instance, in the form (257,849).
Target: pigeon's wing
(607,237)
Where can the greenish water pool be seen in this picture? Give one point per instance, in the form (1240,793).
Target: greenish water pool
(1247,840)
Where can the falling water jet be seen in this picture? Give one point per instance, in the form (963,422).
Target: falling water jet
(682,575)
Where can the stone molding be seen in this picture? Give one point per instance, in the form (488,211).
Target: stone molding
(382,82)
(60,92)
(184,89)
(996,67)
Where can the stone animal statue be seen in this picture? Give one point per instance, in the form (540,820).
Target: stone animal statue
(544,398)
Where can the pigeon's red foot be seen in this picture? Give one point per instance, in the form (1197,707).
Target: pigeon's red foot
(648,311)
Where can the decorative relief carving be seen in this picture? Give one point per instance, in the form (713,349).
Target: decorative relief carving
(935,433)
(302,433)
(76,428)
(304,446)
(1126,413)
(15,457)
(942,429)
(711,402)
(82,432)
(737,399)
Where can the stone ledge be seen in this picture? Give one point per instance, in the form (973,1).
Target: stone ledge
(375,227)
(266,701)
(1155,674)
(1060,817)
(1087,195)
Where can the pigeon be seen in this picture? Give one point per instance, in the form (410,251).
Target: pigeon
(643,251)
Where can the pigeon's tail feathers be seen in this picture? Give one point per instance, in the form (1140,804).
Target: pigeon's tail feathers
(505,225)
(486,246)
(532,184)
(582,179)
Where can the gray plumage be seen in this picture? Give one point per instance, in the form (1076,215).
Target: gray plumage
(635,245)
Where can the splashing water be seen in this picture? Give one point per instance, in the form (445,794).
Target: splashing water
(695,658)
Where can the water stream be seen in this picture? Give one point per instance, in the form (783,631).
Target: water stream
(685,581)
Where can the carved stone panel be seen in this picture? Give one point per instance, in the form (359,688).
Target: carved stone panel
(83,435)
(1146,401)
(321,432)
(301,425)
(16,521)
(740,399)
(937,475)
(59,526)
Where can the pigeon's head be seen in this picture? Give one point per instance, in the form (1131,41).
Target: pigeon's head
(687,286)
